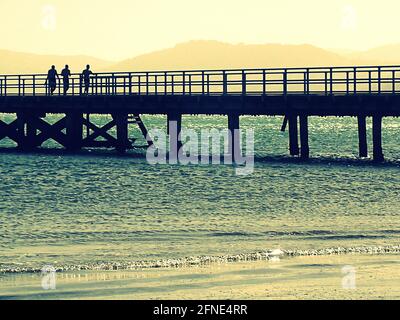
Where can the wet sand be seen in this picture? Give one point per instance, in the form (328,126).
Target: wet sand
(307,277)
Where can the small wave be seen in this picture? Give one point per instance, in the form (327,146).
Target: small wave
(232,234)
(208,260)
(298,233)
(347,237)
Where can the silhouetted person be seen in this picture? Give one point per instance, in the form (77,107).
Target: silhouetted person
(86,78)
(66,73)
(51,79)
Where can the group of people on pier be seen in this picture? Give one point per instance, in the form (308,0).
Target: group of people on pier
(53,75)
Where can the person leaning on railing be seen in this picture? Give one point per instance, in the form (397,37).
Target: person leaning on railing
(51,80)
(86,78)
(66,73)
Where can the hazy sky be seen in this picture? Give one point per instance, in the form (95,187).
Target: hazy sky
(116,29)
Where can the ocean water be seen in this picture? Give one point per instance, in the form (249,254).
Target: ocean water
(68,210)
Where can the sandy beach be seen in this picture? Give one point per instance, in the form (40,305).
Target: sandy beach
(309,277)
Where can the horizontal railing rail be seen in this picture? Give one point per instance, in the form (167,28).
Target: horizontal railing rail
(271,81)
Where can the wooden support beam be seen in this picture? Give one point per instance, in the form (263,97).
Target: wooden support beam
(31,131)
(377,138)
(284,124)
(143,129)
(234,136)
(362,136)
(74,125)
(49,131)
(305,148)
(293,135)
(99,132)
(121,120)
(20,131)
(10,131)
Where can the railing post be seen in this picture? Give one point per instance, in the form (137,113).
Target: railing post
(326,83)
(202,83)
(347,82)
(184,83)
(379,80)
(355,80)
(19,85)
(331,81)
(244,84)
(224,83)
(34,86)
(264,82)
(124,85)
(130,83)
(165,83)
(308,81)
(173,84)
(114,84)
(156,84)
(190,84)
(370,81)
(394,81)
(285,82)
(147,83)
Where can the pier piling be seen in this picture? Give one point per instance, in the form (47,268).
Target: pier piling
(174,124)
(234,136)
(377,138)
(362,136)
(74,130)
(121,120)
(305,148)
(293,135)
(31,131)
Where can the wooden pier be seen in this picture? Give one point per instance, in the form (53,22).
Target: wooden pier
(293,93)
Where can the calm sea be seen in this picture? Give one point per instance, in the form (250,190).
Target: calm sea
(59,209)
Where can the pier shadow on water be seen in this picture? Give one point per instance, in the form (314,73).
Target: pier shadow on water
(140,154)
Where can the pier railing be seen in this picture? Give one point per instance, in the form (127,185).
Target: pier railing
(275,81)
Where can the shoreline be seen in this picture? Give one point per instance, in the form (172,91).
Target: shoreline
(212,260)
(300,278)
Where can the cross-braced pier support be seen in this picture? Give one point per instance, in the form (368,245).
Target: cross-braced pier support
(30,131)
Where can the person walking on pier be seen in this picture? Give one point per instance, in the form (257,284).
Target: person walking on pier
(51,80)
(86,78)
(66,73)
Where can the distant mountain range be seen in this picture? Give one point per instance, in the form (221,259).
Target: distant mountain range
(21,63)
(207,55)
